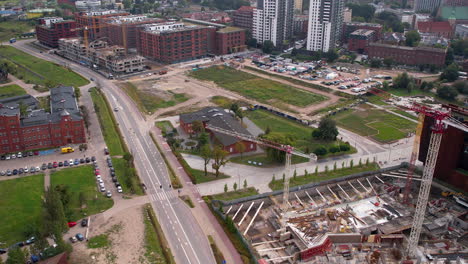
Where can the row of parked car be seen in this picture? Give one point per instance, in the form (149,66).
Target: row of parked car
(100,182)
(50,165)
(19,155)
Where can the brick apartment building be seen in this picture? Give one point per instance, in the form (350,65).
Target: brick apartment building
(353,26)
(173,42)
(440,28)
(243,17)
(122,30)
(218,117)
(35,128)
(230,40)
(93,20)
(408,55)
(360,39)
(51,29)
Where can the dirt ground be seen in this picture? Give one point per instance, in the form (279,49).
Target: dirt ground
(126,231)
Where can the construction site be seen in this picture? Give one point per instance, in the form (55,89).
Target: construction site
(396,215)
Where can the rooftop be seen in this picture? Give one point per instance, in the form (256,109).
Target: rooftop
(408,48)
(158,28)
(363,24)
(131,19)
(434,26)
(363,32)
(230,29)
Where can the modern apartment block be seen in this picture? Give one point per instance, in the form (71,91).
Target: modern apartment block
(243,17)
(51,29)
(273,20)
(426,5)
(122,30)
(173,42)
(35,128)
(112,58)
(230,40)
(325,24)
(93,21)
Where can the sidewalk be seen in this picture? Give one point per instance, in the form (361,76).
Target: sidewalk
(201,212)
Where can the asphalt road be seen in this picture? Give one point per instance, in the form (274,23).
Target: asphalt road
(186,238)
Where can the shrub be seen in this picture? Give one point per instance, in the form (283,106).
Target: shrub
(334,149)
(320,151)
(344,147)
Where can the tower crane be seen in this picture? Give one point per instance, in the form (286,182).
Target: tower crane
(442,119)
(289,150)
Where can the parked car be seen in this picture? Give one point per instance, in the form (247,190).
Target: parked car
(73,239)
(108,194)
(77,161)
(20,171)
(8,172)
(32,170)
(117,184)
(80,237)
(102,189)
(88,160)
(3,173)
(119,189)
(19,155)
(3,157)
(44,166)
(30,240)
(93,158)
(97,172)
(15,171)
(38,169)
(114,179)
(65,163)
(60,164)
(13,156)
(112,173)
(50,166)
(3,251)
(36,153)
(7,157)
(26,170)
(55,164)
(106,151)
(82,160)
(30,153)
(71,224)
(84,222)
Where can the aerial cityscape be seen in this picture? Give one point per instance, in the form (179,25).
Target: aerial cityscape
(234,131)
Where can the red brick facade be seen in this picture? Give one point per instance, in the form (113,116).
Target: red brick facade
(408,55)
(440,28)
(360,42)
(49,36)
(115,32)
(94,23)
(14,137)
(230,41)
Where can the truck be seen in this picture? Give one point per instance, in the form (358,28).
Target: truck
(162,72)
(67,150)
(12,40)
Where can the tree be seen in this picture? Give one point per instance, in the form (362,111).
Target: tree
(54,215)
(461,87)
(280,138)
(240,115)
(450,73)
(16,256)
(334,166)
(268,46)
(219,159)
(447,92)
(410,87)
(294,174)
(331,55)
(327,129)
(240,147)
(206,154)
(225,188)
(128,157)
(375,63)
(197,126)
(245,183)
(412,38)
(352,57)
(203,139)
(449,57)
(388,62)
(234,108)
(351,164)
(294,52)
(402,81)
(385,85)
(234,186)
(362,10)
(127,4)
(316,170)
(252,42)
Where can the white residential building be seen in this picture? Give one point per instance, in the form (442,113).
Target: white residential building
(426,5)
(272,20)
(325,24)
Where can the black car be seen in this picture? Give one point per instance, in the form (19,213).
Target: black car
(112,169)
(50,166)
(60,164)
(65,163)
(30,153)
(3,251)
(15,171)
(3,157)
(117,184)
(93,158)
(88,160)
(20,171)
(44,166)
(20,244)
(109,164)
(112,173)
(82,161)
(114,179)
(84,222)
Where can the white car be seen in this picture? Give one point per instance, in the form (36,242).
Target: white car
(108,194)
(102,189)
(13,156)
(100,182)
(119,189)
(98,178)
(20,155)
(8,157)
(38,169)
(26,170)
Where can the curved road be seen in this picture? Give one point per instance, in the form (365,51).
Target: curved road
(186,238)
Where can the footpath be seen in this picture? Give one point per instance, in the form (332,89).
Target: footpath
(201,212)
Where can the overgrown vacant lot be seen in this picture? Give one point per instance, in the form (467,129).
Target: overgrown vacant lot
(37,71)
(81,180)
(260,89)
(20,207)
(11,29)
(11,90)
(377,124)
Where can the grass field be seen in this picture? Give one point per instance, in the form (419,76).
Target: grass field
(260,89)
(38,71)
(11,90)
(201,178)
(375,123)
(302,134)
(109,128)
(127,177)
(165,126)
(11,29)
(20,206)
(235,194)
(148,102)
(81,180)
(311,177)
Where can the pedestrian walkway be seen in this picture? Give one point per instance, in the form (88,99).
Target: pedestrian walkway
(46,180)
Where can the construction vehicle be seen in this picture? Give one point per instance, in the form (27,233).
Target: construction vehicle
(442,118)
(67,150)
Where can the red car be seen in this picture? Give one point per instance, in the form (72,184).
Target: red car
(96,172)
(36,153)
(55,165)
(71,224)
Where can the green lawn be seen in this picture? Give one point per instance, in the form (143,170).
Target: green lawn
(11,90)
(165,126)
(127,177)
(378,124)
(260,89)
(157,250)
(322,176)
(109,128)
(11,29)
(235,194)
(148,102)
(302,134)
(38,71)
(201,178)
(20,206)
(100,241)
(82,180)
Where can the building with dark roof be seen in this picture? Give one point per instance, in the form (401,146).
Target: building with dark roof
(25,126)
(218,117)
(408,55)
(359,40)
(353,26)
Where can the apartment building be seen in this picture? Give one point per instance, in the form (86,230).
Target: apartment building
(51,29)
(93,21)
(273,20)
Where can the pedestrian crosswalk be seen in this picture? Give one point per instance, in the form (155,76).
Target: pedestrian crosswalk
(162,195)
